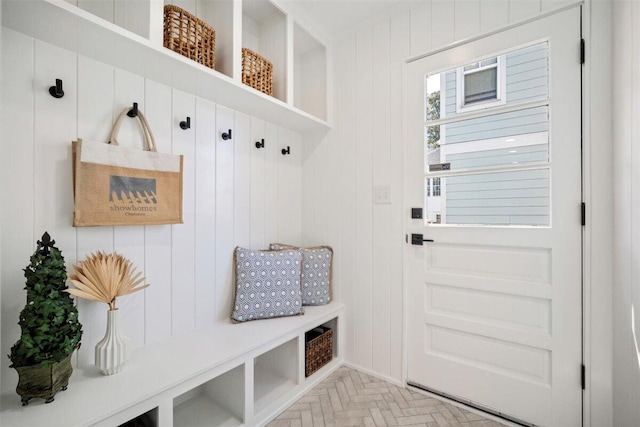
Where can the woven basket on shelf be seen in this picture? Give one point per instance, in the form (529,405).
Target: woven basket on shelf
(318,349)
(257,71)
(189,36)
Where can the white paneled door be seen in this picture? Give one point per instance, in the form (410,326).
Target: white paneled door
(493,275)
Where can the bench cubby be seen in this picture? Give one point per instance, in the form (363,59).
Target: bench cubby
(148,419)
(275,373)
(218,402)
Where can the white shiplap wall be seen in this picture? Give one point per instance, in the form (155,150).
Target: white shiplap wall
(626,214)
(364,150)
(234,194)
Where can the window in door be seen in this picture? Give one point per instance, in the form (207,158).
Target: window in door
(489,165)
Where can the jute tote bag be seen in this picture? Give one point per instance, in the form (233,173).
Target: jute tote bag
(114,185)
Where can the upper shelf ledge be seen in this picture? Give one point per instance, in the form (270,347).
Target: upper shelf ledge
(69,27)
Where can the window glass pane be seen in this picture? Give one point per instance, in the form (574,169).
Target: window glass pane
(503,198)
(481,86)
(517,137)
(432,109)
(432,101)
(526,74)
(489,62)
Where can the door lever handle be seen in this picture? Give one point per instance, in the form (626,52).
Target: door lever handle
(418,239)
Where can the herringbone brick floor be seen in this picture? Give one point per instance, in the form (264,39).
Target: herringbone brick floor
(350,398)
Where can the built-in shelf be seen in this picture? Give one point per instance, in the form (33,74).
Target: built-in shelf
(264,31)
(218,402)
(310,73)
(275,374)
(218,14)
(134,16)
(72,28)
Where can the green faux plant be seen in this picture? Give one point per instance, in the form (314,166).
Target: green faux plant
(50,330)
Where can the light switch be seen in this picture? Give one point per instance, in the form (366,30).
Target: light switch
(382,195)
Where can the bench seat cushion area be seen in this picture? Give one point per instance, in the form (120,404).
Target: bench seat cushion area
(267,284)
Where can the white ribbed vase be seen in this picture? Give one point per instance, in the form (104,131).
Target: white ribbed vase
(112,351)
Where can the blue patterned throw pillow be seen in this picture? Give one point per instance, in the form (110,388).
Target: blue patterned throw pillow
(316,273)
(267,284)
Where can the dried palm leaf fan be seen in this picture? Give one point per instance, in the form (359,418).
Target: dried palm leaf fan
(104,277)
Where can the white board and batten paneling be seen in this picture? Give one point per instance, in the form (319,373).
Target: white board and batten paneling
(381,164)
(400,48)
(345,64)
(242,146)
(18,238)
(157,253)
(189,265)
(289,192)
(364,198)
(258,183)
(626,250)
(96,99)
(272,164)
(467,18)
(129,241)
(183,236)
(224,207)
(205,211)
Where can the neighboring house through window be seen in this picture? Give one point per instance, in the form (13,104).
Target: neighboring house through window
(436,186)
(481,84)
(476,134)
(433,187)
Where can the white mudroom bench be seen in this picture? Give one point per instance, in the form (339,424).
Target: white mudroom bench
(225,375)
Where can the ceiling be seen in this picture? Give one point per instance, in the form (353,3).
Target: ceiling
(336,17)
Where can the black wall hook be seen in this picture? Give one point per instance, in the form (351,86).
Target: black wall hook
(226,135)
(186,124)
(286,151)
(260,144)
(56,91)
(134,111)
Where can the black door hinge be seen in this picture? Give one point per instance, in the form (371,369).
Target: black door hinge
(583,212)
(583,376)
(582,51)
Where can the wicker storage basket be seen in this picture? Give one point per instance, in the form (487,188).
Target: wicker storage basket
(318,349)
(257,71)
(189,36)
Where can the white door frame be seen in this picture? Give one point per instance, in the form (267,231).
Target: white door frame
(597,188)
